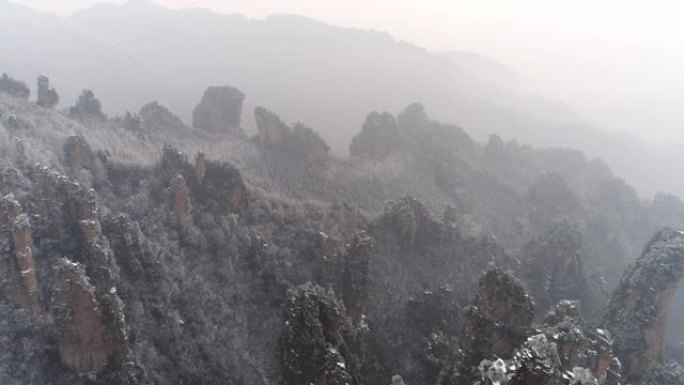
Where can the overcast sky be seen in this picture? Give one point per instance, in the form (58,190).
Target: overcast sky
(619,63)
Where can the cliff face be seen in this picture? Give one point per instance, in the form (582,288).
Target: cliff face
(311,340)
(499,319)
(639,308)
(87,315)
(85,341)
(18,282)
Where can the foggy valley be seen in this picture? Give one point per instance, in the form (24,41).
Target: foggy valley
(195,197)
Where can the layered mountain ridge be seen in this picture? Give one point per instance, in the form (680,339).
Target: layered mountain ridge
(148,53)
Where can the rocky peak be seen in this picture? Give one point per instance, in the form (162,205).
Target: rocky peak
(172,160)
(85,340)
(65,214)
(379,136)
(78,153)
(17,268)
(499,319)
(639,308)
(200,166)
(271,130)
(299,143)
(356,279)
(47,97)
(207,182)
(13,87)
(411,221)
(181,198)
(308,142)
(223,184)
(311,343)
(561,350)
(413,117)
(87,107)
(154,117)
(502,299)
(219,110)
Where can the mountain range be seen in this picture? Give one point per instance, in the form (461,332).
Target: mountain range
(325,76)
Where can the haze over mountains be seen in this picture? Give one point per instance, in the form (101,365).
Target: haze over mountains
(229,246)
(328,77)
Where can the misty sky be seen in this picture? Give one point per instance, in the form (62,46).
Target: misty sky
(618,63)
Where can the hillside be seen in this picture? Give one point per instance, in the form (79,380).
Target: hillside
(140,250)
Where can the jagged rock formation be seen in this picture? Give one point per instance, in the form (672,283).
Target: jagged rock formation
(297,144)
(17,267)
(499,319)
(412,222)
(379,136)
(579,346)
(382,135)
(330,264)
(78,153)
(154,117)
(200,166)
(271,130)
(88,312)
(47,97)
(346,268)
(638,310)
(553,265)
(306,141)
(84,338)
(216,183)
(310,345)
(356,277)
(219,110)
(87,107)
(209,182)
(181,199)
(172,160)
(437,254)
(422,132)
(14,87)
(561,350)
(222,184)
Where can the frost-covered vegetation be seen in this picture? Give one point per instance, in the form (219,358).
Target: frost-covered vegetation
(201,255)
